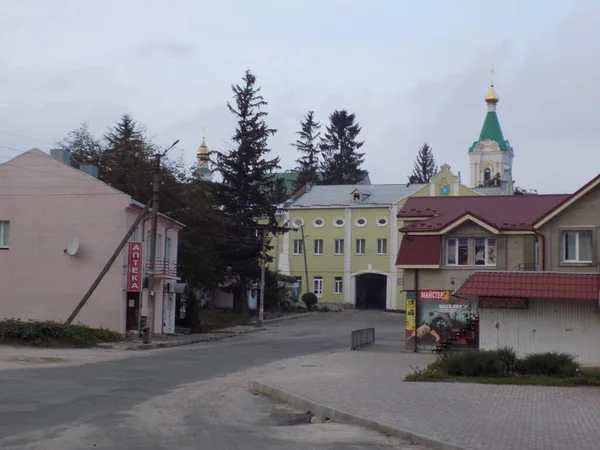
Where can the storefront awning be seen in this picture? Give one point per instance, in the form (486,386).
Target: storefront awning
(550,285)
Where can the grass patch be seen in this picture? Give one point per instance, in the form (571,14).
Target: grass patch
(53,334)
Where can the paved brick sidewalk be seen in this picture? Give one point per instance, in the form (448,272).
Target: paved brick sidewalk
(369,383)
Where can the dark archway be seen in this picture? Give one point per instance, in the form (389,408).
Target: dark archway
(371,291)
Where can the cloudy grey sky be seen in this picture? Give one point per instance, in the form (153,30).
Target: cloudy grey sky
(411,71)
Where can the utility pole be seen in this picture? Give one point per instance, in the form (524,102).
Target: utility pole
(263,270)
(153,236)
(305,263)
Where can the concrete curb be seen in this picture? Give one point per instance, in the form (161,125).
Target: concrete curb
(201,338)
(336,415)
(291,317)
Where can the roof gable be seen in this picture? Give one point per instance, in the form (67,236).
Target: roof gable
(567,202)
(501,213)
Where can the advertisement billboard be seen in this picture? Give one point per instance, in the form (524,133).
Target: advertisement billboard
(439,316)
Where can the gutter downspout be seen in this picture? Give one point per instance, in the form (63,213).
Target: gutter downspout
(542,247)
(166,264)
(416,309)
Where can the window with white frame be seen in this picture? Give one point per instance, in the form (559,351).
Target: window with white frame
(298,247)
(318,247)
(318,222)
(382,246)
(4,233)
(168,246)
(577,246)
(318,286)
(457,252)
(360,246)
(338,285)
(484,252)
(339,222)
(361,222)
(297,222)
(382,221)
(338,247)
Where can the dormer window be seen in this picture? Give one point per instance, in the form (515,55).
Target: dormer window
(358,196)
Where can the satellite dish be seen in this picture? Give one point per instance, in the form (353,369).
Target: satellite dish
(72,247)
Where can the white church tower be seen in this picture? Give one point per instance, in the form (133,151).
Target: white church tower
(491,156)
(203,157)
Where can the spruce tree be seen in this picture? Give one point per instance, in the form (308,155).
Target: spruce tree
(425,166)
(247,193)
(341,160)
(309,162)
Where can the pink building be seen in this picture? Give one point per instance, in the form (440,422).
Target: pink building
(45,207)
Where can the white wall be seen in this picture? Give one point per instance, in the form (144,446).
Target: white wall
(567,326)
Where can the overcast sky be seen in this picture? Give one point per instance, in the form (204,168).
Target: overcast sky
(411,71)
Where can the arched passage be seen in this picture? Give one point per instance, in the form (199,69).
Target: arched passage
(371,291)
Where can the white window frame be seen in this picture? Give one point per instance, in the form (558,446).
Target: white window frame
(384,224)
(318,247)
(357,247)
(360,225)
(577,259)
(316,225)
(457,243)
(487,252)
(4,232)
(297,222)
(338,285)
(318,286)
(338,247)
(339,225)
(168,248)
(382,242)
(298,247)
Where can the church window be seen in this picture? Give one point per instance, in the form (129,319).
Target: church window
(487,174)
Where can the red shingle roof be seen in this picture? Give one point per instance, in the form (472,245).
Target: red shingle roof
(503,212)
(564,286)
(420,251)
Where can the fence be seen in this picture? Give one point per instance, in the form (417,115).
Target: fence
(362,337)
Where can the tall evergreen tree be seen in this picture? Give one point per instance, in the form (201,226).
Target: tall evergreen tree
(309,162)
(247,192)
(83,146)
(425,166)
(126,161)
(341,160)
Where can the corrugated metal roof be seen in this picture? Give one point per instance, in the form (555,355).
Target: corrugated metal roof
(504,212)
(555,285)
(341,195)
(420,251)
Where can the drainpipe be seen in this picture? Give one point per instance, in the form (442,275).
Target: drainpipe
(542,247)
(165,265)
(416,308)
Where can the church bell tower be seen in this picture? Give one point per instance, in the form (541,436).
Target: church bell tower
(491,156)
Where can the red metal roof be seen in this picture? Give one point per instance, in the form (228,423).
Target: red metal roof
(564,286)
(503,212)
(419,251)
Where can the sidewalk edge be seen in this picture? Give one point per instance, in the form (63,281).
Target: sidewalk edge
(339,416)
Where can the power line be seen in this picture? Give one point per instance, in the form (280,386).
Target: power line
(25,137)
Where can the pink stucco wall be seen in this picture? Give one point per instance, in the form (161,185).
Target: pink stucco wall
(48,204)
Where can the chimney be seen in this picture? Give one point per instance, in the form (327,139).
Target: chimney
(459,176)
(92,171)
(61,155)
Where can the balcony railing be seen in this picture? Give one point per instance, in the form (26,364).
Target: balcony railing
(164,267)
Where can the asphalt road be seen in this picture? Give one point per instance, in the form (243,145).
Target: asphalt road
(187,397)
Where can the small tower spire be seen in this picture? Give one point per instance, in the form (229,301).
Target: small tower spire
(203,157)
(491,98)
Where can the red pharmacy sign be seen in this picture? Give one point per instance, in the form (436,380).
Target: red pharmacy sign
(134,267)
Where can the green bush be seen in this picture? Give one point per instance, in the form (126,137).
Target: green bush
(475,363)
(550,363)
(309,299)
(49,333)
(508,360)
